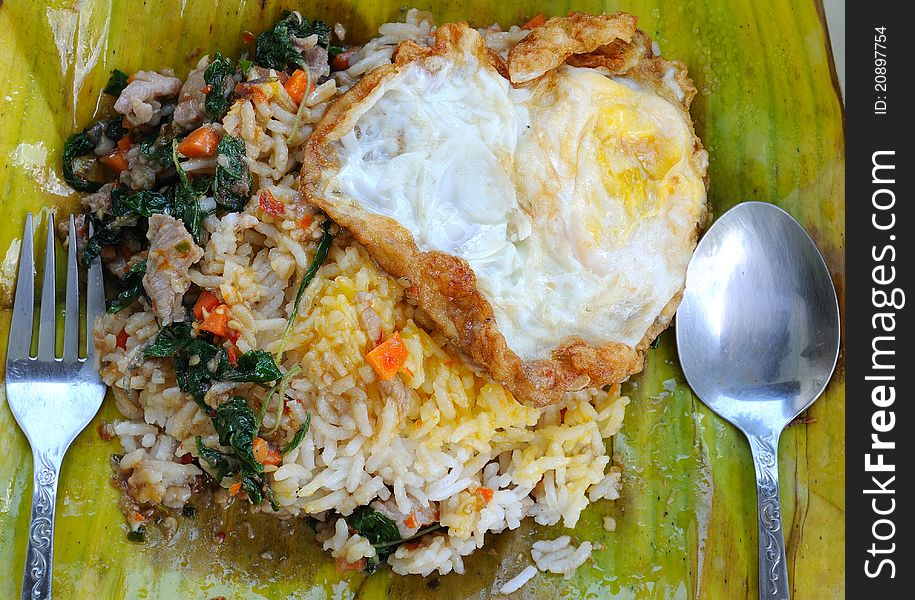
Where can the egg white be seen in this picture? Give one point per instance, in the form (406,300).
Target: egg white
(574,200)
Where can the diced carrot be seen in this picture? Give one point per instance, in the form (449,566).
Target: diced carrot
(206,89)
(535,22)
(122,340)
(131,78)
(138,518)
(207,301)
(387,358)
(234,335)
(200,143)
(410,521)
(271,205)
(484,495)
(232,353)
(264,454)
(234,488)
(247,37)
(260,449)
(217,321)
(250,91)
(297,85)
(116,161)
(306,221)
(341,61)
(125,143)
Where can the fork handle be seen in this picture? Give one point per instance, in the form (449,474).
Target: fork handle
(36,582)
(773,570)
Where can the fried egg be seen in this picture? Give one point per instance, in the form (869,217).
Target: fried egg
(573,200)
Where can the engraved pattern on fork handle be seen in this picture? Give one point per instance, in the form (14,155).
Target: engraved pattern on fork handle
(773,570)
(36,581)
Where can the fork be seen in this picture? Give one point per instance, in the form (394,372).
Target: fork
(52,399)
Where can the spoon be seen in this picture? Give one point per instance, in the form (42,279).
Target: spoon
(758,339)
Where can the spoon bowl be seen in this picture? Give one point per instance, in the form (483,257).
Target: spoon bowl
(758,339)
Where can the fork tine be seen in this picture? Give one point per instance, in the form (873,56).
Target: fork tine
(71,316)
(95,300)
(20,341)
(47,321)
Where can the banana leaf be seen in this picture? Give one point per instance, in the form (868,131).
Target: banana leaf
(771,117)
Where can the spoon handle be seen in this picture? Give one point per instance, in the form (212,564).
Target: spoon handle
(773,570)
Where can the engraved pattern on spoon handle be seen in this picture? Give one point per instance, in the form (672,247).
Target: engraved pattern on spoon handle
(36,581)
(773,569)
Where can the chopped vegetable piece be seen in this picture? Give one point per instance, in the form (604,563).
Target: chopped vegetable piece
(298,437)
(216,459)
(220,95)
(316,262)
(237,427)
(116,161)
(388,357)
(297,86)
(306,221)
(205,304)
(217,322)
(256,366)
(264,454)
(232,353)
(131,288)
(122,340)
(138,536)
(374,526)
(410,521)
(535,22)
(200,143)
(270,205)
(116,83)
(273,48)
(234,488)
(125,143)
(232,184)
(340,61)
(187,208)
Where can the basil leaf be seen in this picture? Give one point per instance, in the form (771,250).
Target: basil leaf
(104,234)
(236,425)
(218,98)
(78,145)
(84,143)
(144,203)
(232,184)
(157,147)
(196,367)
(216,459)
(116,83)
(186,206)
(169,340)
(298,437)
(273,48)
(131,288)
(374,526)
(255,366)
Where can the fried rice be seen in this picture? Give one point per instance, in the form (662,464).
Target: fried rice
(440,448)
